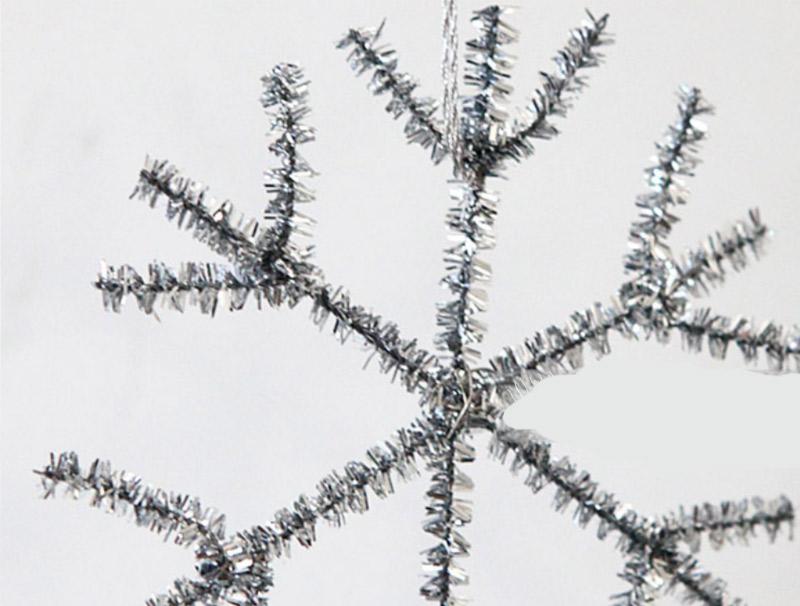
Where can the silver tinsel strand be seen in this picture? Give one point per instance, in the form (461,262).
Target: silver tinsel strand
(269,266)
(366,55)
(285,90)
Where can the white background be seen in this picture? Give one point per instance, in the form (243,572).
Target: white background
(251,409)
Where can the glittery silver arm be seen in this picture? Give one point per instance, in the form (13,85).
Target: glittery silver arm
(470,222)
(652,307)
(193,284)
(557,90)
(366,55)
(270,271)
(708,264)
(175,516)
(652,577)
(558,349)
(206,284)
(654,563)
(676,157)
(285,100)
(188,204)
(780,345)
(729,522)
(446,513)
(245,558)
(471,219)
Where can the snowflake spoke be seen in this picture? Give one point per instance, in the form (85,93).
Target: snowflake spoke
(531,453)
(706,264)
(397,356)
(729,522)
(558,350)
(270,272)
(338,495)
(780,345)
(285,90)
(471,219)
(557,91)
(422,126)
(470,222)
(204,285)
(447,513)
(242,241)
(676,157)
(654,564)
(175,516)
(193,284)
(653,576)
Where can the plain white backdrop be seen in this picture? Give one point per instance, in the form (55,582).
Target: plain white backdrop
(251,409)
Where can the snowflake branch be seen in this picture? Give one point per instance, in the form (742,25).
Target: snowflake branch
(652,577)
(421,127)
(173,515)
(558,89)
(243,242)
(558,350)
(676,157)
(397,356)
(285,89)
(706,264)
(337,495)
(655,563)
(446,513)
(470,223)
(780,345)
(488,69)
(729,521)
(471,220)
(204,285)
(193,284)
(265,267)
(239,568)
(531,453)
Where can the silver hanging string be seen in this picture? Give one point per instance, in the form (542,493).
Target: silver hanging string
(450,80)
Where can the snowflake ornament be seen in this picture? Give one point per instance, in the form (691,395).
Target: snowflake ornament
(459,396)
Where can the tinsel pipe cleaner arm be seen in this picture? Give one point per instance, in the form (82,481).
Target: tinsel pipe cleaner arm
(188,203)
(209,286)
(447,512)
(470,219)
(285,99)
(193,284)
(729,522)
(367,55)
(652,577)
(557,90)
(271,273)
(676,157)
(557,350)
(707,264)
(655,565)
(339,494)
(175,516)
(779,344)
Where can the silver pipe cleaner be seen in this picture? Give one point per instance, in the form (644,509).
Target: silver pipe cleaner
(268,264)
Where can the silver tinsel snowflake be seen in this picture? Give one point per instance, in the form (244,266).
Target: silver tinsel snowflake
(459,395)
